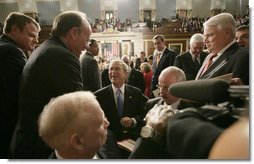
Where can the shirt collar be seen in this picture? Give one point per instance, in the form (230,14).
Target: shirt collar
(225,48)
(121,88)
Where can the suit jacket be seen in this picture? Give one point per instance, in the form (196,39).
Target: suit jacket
(138,63)
(189,136)
(12,62)
(133,108)
(51,70)
(109,150)
(234,60)
(105,78)
(167,59)
(90,72)
(185,62)
(135,79)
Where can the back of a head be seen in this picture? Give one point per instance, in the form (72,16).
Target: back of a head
(222,21)
(67,20)
(19,20)
(62,115)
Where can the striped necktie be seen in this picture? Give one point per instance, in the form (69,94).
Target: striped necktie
(208,63)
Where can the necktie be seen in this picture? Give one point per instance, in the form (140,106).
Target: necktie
(196,63)
(119,102)
(158,57)
(208,63)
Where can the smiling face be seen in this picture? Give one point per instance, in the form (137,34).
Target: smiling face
(80,38)
(242,37)
(117,74)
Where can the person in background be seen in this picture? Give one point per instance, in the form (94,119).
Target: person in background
(146,68)
(74,126)
(122,104)
(191,61)
(226,55)
(163,57)
(135,77)
(90,69)
(53,69)
(242,35)
(20,35)
(141,59)
(150,60)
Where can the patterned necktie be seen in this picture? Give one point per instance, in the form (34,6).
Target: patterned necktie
(119,102)
(208,63)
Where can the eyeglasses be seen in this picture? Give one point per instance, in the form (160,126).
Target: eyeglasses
(162,88)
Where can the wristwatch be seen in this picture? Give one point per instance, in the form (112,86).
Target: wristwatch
(149,132)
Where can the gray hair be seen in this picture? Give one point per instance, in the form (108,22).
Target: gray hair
(198,37)
(67,20)
(124,65)
(179,74)
(222,21)
(59,116)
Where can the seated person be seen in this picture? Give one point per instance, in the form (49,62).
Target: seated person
(190,135)
(169,76)
(75,127)
(122,104)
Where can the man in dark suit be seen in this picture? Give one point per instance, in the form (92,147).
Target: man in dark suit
(90,70)
(141,59)
(169,76)
(227,56)
(20,35)
(125,115)
(134,77)
(191,61)
(163,57)
(52,70)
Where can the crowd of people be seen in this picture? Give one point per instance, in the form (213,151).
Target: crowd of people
(58,104)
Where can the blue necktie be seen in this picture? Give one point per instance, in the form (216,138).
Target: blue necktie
(119,102)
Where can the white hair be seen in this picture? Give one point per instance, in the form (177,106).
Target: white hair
(198,37)
(222,21)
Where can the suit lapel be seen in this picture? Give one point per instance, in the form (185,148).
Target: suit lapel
(220,62)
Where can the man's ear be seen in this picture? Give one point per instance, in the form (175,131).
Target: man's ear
(74,32)
(76,142)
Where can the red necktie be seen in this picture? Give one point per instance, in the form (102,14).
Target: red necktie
(208,63)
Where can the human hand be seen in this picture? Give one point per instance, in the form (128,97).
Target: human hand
(126,122)
(236,81)
(158,116)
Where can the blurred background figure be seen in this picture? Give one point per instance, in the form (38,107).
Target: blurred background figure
(91,73)
(191,61)
(242,35)
(163,57)
(141,59)
(147,71)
